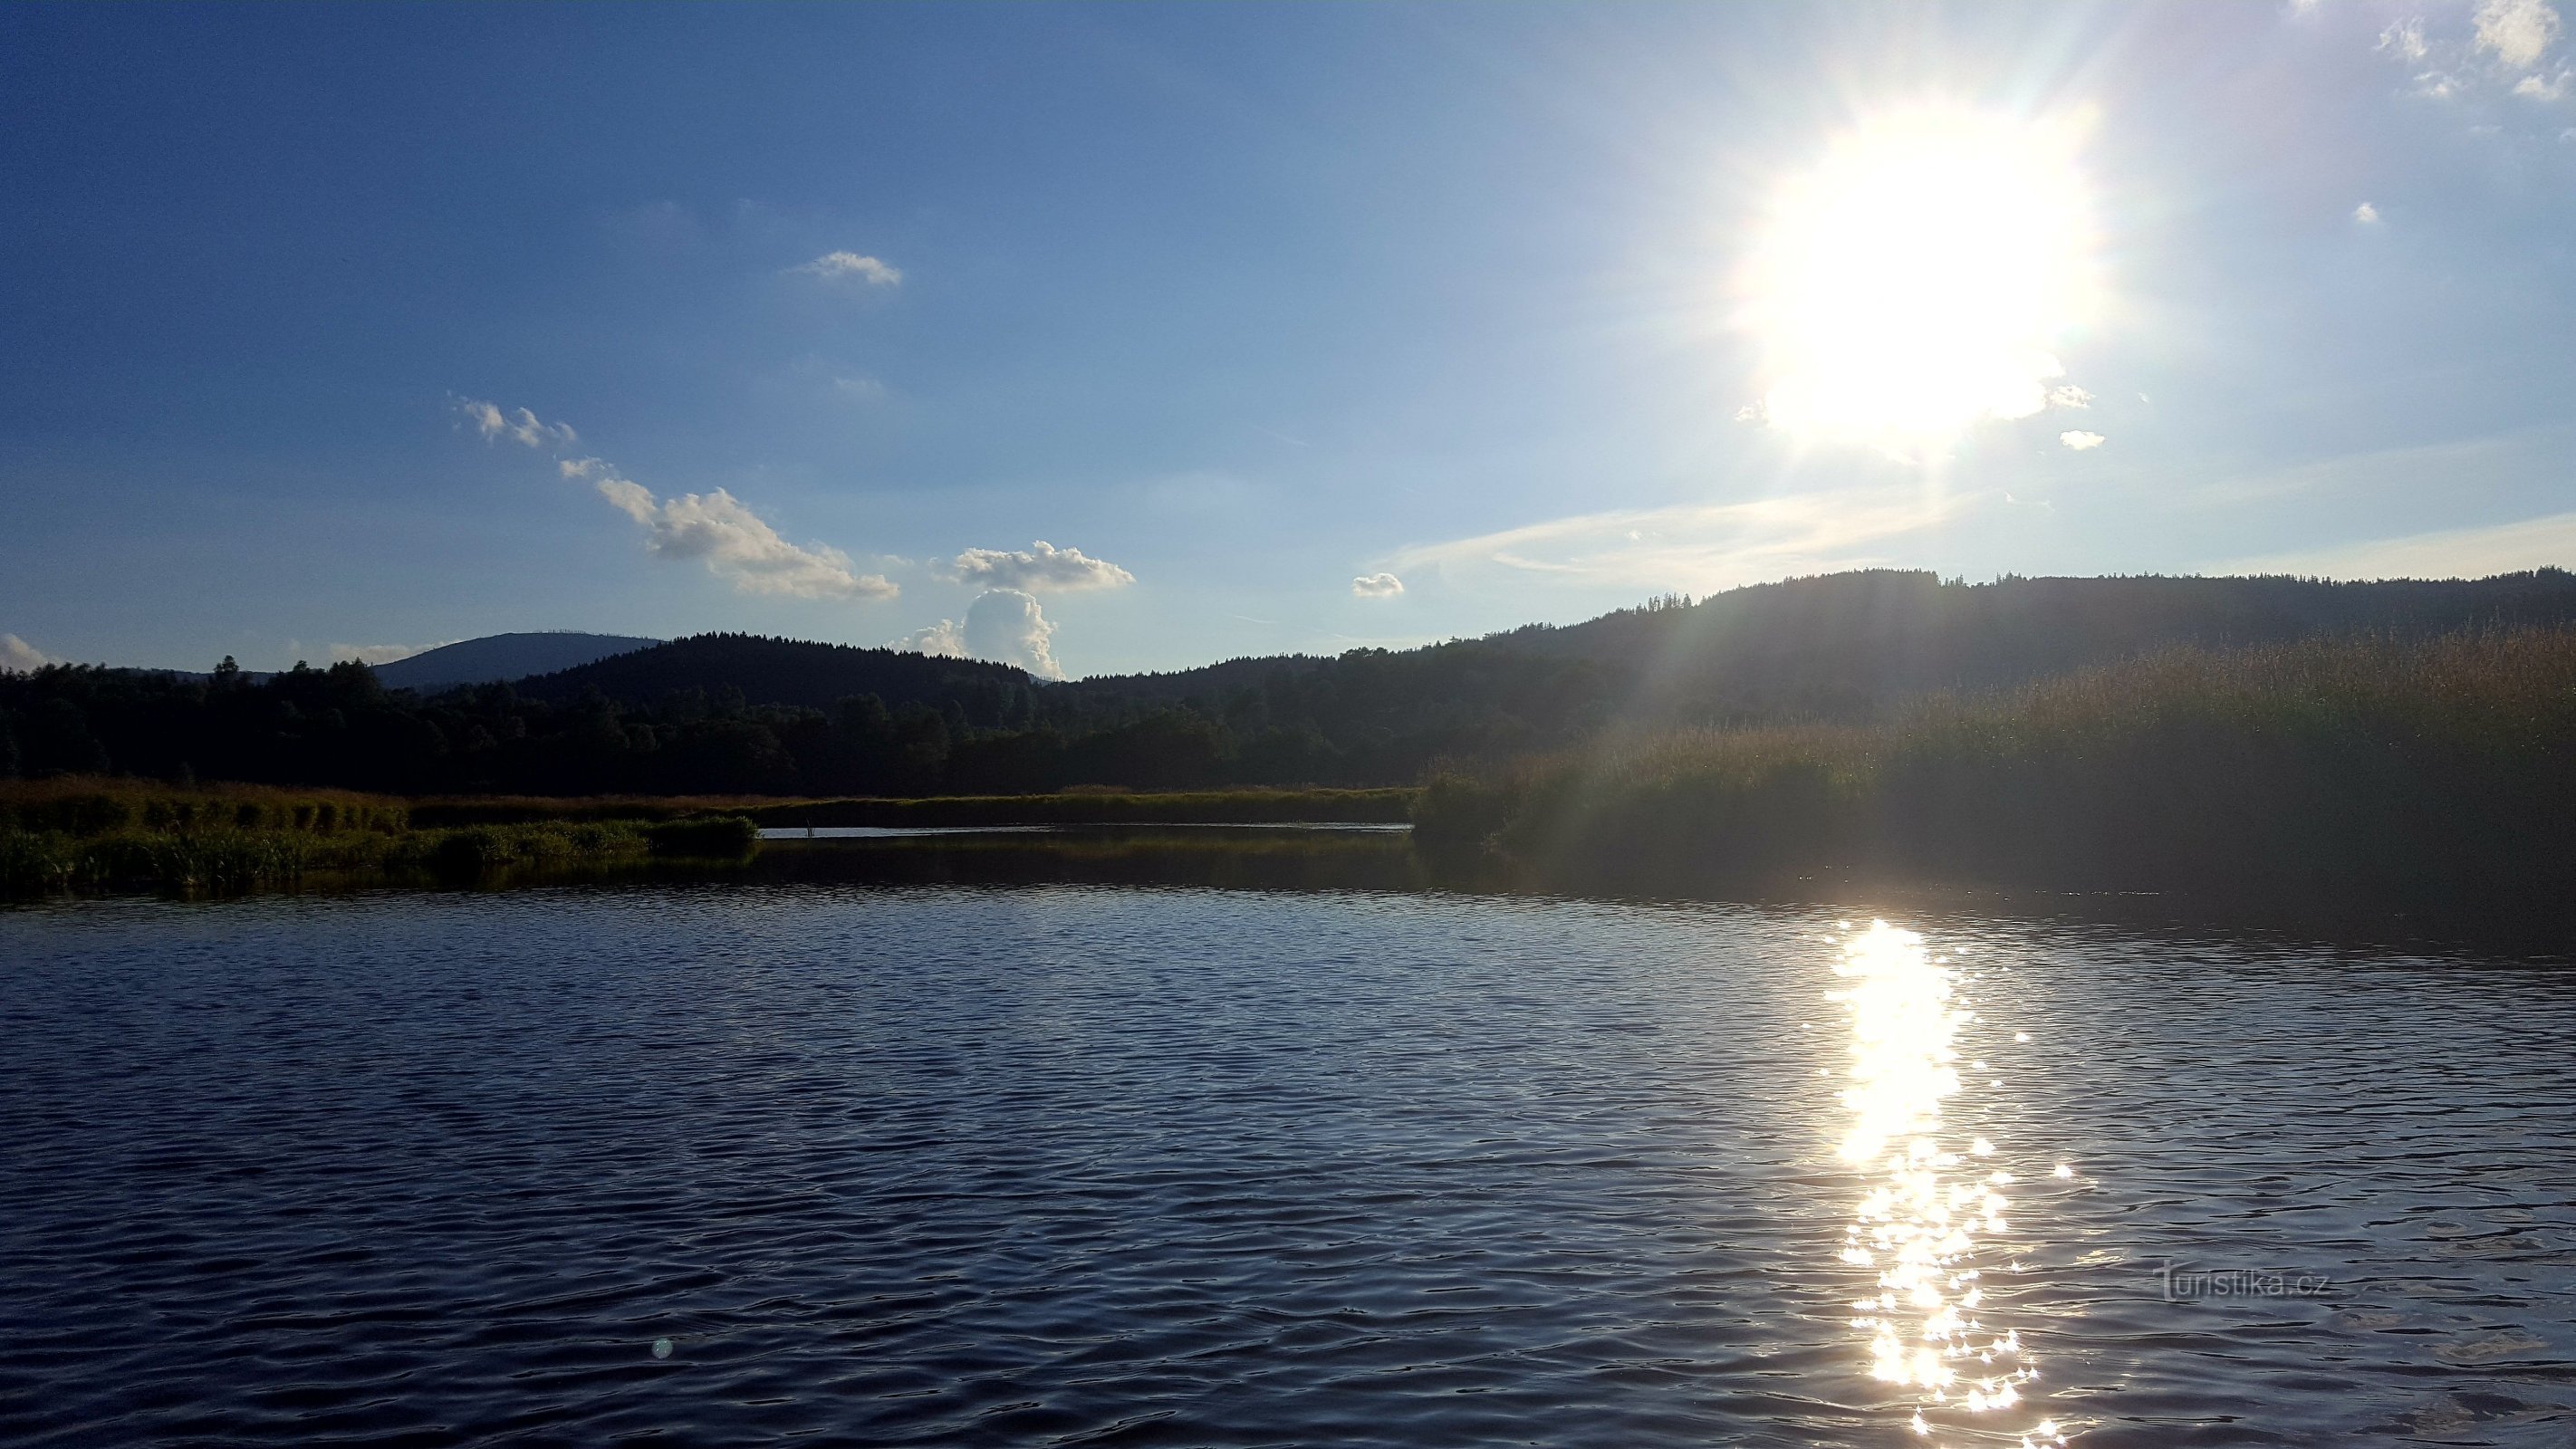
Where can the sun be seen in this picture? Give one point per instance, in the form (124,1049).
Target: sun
(1919,279)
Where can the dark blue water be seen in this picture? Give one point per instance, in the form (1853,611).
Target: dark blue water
(738,1164)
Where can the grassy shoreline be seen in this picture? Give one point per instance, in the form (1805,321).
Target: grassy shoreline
(77,835)
(2370,771)
(1074,807)
(99,834)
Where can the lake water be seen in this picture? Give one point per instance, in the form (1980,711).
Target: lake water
(1054,1165)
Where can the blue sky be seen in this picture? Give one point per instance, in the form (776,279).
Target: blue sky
(1234,307)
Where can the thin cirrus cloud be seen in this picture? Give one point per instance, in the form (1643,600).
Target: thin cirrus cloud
(1042,566)
(2451,553)
(715,528)
(851,267)
(1377,586)
(1700,547)
(1005,626)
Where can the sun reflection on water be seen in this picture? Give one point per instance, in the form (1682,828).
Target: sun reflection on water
(1928,1207)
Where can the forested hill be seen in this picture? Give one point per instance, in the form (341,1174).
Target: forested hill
(742,713)
(502,656)
(1841,646)
(763,670)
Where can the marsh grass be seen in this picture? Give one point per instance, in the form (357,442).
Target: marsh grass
(2412,770)
(1089,806)
(225,860)
(84,805)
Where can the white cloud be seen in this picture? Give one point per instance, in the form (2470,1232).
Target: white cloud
(1377,586)
(521,427)
(2069,396)
(2405,40)
(2520,32)
(862,389)
(850,266)
(739,546)
(1700,548)
(2366,214)
(1005,626)
(945,640)
(1044,566)
(17,656)
(716,528)
(2554,88)
(2455,553)
(2081,441)
(381,653)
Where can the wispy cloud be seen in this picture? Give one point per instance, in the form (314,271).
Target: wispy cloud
(1043,566)
(715,528)
(17,656)
(2454,553)
(2405,40)
(1005,626)
(519,427)
(1377,586)
(381,653)
(851,267)
(2080,440)
(1702,547)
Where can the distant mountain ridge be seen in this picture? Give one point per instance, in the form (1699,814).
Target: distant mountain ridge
(498,657)
(736,713)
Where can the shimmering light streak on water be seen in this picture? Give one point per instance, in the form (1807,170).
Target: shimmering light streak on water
(1928,1207)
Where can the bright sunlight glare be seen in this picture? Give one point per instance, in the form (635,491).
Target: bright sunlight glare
(1919,279)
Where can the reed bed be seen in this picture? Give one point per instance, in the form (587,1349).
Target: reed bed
(2417,770)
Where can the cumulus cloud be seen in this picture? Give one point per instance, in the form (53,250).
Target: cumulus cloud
(381,653)
(2081,441)
(1005,626)
(1044,566)
(851,267)
(943,640)
(2520,32)
(739,546)
(1377,586)
(2069,396)
(2366,214)
(715,528)
(520,427)
(17,656)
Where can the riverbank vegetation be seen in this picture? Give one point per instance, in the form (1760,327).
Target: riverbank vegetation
(87,834)
(1069,807)
(2370,769)
(736,715)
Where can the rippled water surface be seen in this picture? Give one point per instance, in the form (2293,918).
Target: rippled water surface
(1130,1166)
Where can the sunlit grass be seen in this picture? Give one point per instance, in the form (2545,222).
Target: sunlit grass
(2347,764)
